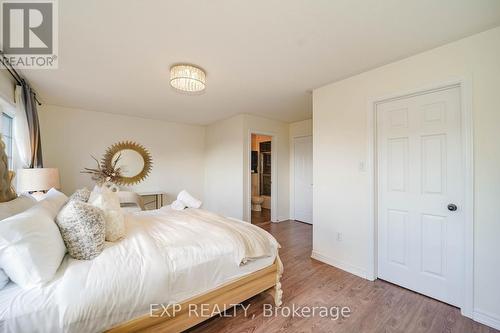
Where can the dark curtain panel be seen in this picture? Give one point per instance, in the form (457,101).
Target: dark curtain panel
(33,125)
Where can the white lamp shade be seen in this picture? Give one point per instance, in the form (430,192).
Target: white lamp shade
(38,179)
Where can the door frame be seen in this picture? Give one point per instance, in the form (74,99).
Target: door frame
(292,174)
(274,176)
(466,118)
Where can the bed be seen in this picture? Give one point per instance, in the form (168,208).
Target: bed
(167,257)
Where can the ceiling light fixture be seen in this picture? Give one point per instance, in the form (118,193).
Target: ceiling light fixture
(187,78)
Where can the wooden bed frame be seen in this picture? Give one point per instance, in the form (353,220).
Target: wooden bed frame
(223,297)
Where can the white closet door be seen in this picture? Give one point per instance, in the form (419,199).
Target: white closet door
(303,179)
(420,181)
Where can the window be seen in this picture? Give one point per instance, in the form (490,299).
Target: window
(6,131)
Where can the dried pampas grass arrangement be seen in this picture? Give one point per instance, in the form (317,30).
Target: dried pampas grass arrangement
(7,192)
(105,173)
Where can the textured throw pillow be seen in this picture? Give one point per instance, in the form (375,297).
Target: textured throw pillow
(82,195)
(82,228)
(31,247)
(16,206)
(108,201)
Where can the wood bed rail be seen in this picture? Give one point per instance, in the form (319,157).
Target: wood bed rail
(181,316)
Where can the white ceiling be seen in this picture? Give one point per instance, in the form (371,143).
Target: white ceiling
(262,57)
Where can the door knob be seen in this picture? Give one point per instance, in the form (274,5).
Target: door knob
(452,207)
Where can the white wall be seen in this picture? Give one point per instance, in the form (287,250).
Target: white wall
(227,178)
(70,136)
(223,167)
(211,162)
(7,85)
(341,191)
(296,130)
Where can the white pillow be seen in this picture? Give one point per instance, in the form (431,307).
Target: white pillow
(53,202)
(188,199)
(31,246)
(4,279)
(108,201)
(18,205)
(177,205)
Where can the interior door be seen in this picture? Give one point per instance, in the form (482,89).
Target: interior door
(303,179)
(421,194)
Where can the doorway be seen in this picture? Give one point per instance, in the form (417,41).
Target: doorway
(421,183)
(261,169)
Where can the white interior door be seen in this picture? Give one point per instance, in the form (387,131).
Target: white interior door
(303,179)
(421,173)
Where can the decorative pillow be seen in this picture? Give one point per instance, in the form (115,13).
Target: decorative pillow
(177,205)
(31,247)
(82,195)
(16,206)
(103,198)
(53,202)
(188,199)
(82,228)
(4,279)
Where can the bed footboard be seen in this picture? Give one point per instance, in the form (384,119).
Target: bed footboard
(276,291)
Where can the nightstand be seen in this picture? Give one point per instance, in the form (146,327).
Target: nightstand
(153,199)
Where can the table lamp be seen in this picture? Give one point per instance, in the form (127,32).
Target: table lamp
(37,181)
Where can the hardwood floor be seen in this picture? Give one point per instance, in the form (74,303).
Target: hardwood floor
(260,217)
(375,306)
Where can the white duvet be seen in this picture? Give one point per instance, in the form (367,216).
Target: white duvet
(166,257)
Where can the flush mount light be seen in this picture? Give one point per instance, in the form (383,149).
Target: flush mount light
(187,78)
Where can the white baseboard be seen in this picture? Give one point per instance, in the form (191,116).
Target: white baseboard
(487,319)
(341,265)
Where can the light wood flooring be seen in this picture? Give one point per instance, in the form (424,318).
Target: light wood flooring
(376,306)
(260,217)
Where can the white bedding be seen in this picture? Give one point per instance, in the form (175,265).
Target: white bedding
(166,257)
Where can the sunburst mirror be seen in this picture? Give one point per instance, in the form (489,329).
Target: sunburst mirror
(135,162)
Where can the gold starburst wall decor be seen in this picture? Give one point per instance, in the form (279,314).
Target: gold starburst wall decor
(113,155)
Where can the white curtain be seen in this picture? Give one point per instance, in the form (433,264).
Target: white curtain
(21,130)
